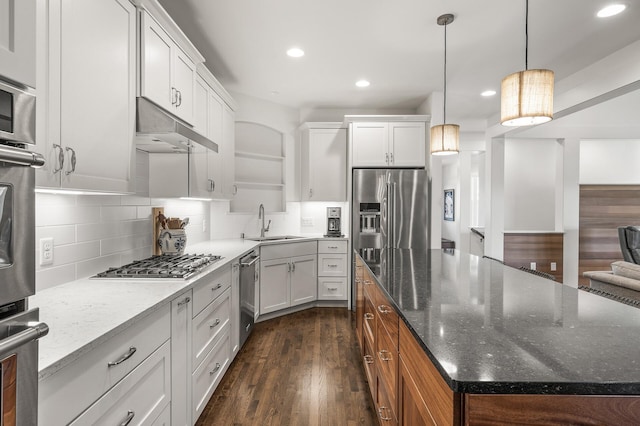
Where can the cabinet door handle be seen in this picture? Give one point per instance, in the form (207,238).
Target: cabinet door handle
(212,185)
(215,323)
(368,359)
(185,301)
(310,192)
(178,98)
(368,316)
(235,189)
(218,287)
(130,415)
(60,158)
(212,372)
(73,161)
(384,309)
(174,96)
(293,266)
(386,158)
(382,416)
(129,354)
(391,158)
(384,355)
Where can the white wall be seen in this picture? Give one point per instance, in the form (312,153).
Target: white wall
(94,232)
(609,162)
(529,184)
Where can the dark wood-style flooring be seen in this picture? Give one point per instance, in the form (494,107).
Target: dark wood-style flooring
(299,369)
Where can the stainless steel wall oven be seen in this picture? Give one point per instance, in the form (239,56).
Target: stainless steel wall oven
(19,326)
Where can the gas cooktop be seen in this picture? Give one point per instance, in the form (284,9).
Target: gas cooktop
(164,266)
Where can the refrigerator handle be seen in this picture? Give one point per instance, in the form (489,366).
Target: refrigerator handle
(390,217)
(393,211)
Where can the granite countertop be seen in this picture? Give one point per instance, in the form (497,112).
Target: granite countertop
(490,328)
(84,313)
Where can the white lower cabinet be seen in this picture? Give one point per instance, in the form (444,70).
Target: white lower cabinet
(109,367)
(139,398)
(207,375)
(287,275)
(332,270)
(181,323)
(164,419)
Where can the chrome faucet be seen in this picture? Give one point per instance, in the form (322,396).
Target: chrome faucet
(261,216)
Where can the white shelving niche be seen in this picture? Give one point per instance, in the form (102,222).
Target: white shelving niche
(259,169)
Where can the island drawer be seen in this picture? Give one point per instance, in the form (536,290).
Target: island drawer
(387,361)
(386,313)
(209,287)
(79,384)
(208,326)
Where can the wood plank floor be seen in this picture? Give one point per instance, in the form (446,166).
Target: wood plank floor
(299,369)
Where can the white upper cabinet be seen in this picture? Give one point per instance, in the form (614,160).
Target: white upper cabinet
(18,41)
(168,74)
(389,143)
(324,162)
(86,95)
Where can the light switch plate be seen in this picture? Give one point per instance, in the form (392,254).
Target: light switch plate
(533,266)
(307,221)
(554,266)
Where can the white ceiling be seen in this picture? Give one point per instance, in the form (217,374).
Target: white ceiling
(397,45)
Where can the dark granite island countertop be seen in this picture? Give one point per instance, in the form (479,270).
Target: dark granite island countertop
(490,328)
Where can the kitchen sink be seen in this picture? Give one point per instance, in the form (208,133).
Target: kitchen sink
(275,238)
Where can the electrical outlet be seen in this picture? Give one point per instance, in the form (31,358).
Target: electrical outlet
(307,221)
(46,251)
(533,266)
(554,266)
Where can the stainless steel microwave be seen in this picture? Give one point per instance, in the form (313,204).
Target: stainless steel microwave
(17,115)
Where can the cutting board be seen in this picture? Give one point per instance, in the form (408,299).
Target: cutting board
(155,223)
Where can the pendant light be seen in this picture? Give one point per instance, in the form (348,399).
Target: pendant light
(445,138)
(527,96)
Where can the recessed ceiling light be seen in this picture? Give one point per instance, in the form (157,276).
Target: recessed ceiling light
(362,83)
(488,93)
(295,52)
(612,9)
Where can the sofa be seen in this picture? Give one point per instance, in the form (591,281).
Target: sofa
(623,280)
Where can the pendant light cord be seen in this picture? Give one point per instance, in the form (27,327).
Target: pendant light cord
(526,36)
(444,112)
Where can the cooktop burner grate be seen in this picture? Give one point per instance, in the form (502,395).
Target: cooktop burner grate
(164,266)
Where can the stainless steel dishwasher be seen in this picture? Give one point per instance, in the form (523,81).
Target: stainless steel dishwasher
(248,280)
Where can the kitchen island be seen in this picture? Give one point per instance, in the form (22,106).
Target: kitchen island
(503,345)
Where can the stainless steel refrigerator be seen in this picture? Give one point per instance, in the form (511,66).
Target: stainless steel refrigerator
(390,209)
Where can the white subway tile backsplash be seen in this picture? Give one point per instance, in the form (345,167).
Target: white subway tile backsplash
(118,213)
(50,277)
(65,214)
(91,267)
(73,253)
(64,234)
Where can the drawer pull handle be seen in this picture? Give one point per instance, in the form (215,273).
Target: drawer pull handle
(332,266)
(130,415)
(368,316)
(332,247)
(332,288)
(367,282)
(384,355)
(218,287)
(129,354)
(382,416)
(368,359)
(216,322)
(383,309)
(212,372)
(185,301)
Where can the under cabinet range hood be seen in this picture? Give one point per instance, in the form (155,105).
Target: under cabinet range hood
(159,131)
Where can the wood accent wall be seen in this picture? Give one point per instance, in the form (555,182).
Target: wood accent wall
(603,208)
(522,248)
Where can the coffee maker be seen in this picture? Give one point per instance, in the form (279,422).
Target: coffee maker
(333,222)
